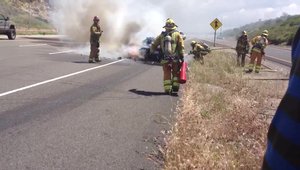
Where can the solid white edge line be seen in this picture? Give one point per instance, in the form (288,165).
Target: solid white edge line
(55,79)
(33,45)
(61,52)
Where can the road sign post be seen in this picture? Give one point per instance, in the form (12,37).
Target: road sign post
(215,35)
(215,24)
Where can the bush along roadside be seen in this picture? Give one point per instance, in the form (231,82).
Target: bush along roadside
(221,122)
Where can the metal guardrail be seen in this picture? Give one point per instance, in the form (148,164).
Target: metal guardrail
(280,61)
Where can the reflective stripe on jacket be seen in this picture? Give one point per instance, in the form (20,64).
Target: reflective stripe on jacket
(95,32)
(259,43)
(177,43)
(199,49)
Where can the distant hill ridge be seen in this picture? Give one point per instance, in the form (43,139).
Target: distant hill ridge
(27,14)
(281,30)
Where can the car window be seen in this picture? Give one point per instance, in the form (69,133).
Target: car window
(2,17)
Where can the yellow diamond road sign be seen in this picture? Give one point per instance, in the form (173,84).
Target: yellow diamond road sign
(216,24)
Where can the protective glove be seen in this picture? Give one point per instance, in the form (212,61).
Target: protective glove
(181,59)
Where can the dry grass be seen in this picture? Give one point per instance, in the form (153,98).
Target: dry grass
(221,122)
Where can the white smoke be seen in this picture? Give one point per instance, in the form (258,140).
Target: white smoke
(192,16)
(123,22)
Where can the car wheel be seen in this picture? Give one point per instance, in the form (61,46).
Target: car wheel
(12,34)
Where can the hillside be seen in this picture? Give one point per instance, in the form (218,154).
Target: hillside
(30,16)
(281,30)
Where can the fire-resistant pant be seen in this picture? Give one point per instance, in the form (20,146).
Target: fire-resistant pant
(171,76)
(241,59)
(258,57)
(94,54)
(200,58)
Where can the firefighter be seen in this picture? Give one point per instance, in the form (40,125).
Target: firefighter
(259,44)
(172,46)
(199,49)
(242,48)
(95,34)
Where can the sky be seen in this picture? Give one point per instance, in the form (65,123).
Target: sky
(128,21)
(195,16)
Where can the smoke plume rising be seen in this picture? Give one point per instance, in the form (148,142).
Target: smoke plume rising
(123,22)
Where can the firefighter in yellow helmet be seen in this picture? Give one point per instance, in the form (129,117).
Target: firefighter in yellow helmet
(242,48)
(259,43)
(172,46)
(199,49)
(95,34)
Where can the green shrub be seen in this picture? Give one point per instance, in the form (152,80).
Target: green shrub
(281,30)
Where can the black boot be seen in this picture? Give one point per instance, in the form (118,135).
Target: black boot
(97,60)
(175,89)
(249,71)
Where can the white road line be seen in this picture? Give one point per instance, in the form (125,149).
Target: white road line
(55,79)
(32,45)
(61,52)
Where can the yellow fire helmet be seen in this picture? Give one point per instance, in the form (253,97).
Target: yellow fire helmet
(170,24)
(265,33)
(244,32)
(96,19)
(193,43)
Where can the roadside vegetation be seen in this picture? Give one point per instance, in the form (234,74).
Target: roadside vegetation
(281,30)
(30,18)
(222,117)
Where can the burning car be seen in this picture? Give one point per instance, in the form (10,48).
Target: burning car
(132,51)
(145,51)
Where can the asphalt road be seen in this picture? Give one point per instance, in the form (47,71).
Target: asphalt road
(59,112)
